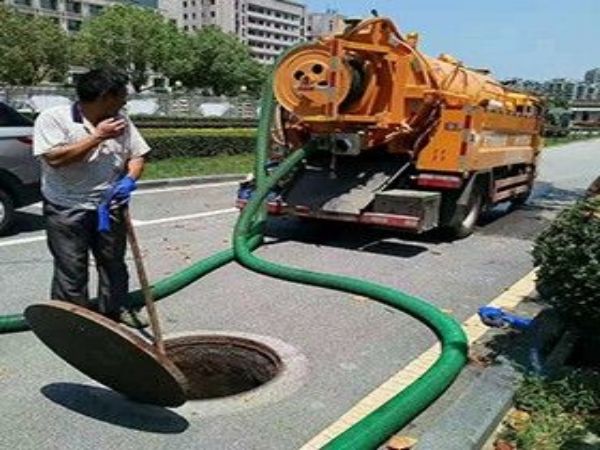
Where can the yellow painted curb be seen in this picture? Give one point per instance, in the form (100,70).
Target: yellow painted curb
(474,329)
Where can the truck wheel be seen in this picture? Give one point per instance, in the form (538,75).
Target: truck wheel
(463,219)
(520,200)
(7,212)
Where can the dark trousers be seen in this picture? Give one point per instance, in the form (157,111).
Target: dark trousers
(72,235)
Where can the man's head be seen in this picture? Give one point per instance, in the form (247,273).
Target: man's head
(106,89)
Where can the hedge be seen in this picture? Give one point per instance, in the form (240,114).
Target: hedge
(192,122)
(169,143)
(568,255)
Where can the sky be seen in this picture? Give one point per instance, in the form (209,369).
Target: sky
(531,39)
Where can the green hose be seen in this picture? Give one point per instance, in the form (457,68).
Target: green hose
(378,426)
(399,411)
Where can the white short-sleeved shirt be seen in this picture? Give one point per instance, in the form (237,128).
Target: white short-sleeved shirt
(82,184)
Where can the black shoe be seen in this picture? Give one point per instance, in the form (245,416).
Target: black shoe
(132,319)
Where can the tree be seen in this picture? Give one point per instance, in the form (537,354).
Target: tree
(219,62)
(33,49)
(134,39)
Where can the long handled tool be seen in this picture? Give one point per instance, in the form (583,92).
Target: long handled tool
(141,271)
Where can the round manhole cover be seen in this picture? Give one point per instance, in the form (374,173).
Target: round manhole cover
(220,366)
(107,352)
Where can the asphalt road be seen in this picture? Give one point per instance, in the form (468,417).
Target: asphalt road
(342,346)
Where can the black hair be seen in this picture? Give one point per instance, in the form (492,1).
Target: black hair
(95,83)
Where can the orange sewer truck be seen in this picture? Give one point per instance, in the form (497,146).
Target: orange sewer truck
(407,141)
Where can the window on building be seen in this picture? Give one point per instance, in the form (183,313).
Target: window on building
(185,4)
(185,16)
(212,2)
(193,15)
(22,2)
(212,14)
(95,9)
(73,25)
(73,7)
(49,4)
(186,28)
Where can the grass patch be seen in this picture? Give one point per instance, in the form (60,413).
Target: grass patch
(555,141)
(561,412)
(190,167)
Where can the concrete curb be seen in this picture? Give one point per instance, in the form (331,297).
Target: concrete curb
(470,420)
(188,181)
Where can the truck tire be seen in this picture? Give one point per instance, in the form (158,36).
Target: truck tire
(462,219)
(519,200)
(7,212)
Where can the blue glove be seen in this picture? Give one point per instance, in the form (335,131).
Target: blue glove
(103,217)
(123,189)
(120,193)
(496,317)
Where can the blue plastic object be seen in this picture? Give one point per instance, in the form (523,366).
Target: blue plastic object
(123,189)
(496,317)
(103,217)
(119,193)
(244,193)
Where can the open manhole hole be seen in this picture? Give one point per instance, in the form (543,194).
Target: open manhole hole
(220,366)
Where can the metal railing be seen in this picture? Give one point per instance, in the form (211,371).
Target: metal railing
(163,104)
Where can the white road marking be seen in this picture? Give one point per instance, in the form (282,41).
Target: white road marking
(217,212)
(184,188)
(165,189)
(22,241)
(139,223)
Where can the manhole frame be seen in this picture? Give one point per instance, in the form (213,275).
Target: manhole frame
(216,340)
(291,377)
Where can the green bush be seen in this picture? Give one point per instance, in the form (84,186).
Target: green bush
(568,256)
(561,411)
(192,122)
(170,143)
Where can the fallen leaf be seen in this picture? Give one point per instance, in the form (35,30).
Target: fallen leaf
(481,361)
(400,443)
(359,298)
(518,420)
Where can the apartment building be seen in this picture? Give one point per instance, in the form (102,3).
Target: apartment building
(324,24)
(69,13)
(267,26)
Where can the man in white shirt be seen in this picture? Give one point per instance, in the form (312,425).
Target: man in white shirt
(88,152)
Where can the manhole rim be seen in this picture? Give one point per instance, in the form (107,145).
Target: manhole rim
(234,340)
(291,376)
(231,341)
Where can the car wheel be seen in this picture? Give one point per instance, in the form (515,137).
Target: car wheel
(7,212)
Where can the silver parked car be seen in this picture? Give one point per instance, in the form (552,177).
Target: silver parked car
(19,170)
